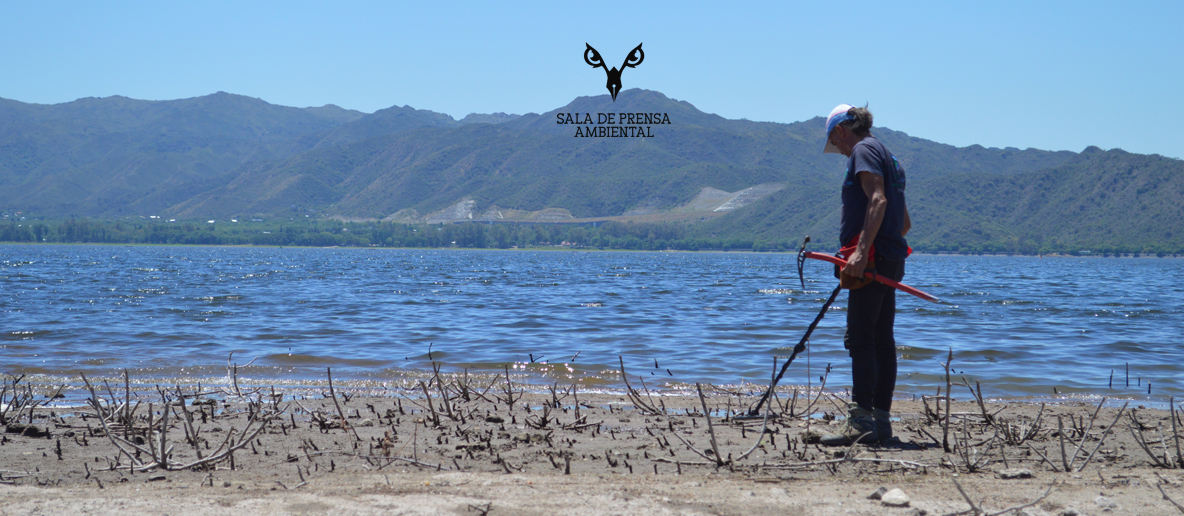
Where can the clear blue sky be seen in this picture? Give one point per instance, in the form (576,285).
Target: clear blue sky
(1049,75)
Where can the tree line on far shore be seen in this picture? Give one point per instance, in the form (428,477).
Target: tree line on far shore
(605,235)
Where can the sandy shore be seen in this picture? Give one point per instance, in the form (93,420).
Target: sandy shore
(577,453)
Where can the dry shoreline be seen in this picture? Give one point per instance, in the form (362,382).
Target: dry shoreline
(567,452)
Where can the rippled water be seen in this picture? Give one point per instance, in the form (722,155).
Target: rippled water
(1022,326)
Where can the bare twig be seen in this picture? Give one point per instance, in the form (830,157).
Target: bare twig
(164,428)
(696,450)
(761,436)
(1061,438)
(127,400)
(1142,442)
(821,389)
(845,459)
(945,427)
(428,400)
(443,393)
(682,462)
(160,452)
(509,389)
(1171,501)
(1018,434)
(634,396)
(1045,458)
(978,396)
(390,460)
(191,432)
(970,456)
(1175,433)
(1163,443)
(1024,506)
(232,372)
(710,428)
(94,401)
(1103,438)
(976,510)
(650,397)
(1085,434)
(344,422)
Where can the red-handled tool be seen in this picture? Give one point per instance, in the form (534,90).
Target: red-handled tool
(755,411)
(894,284)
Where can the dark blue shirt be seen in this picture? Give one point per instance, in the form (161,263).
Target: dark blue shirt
(871,156)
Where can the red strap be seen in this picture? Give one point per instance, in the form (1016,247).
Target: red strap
(850,248)
(871,252)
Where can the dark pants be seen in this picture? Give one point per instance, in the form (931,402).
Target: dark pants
(871,314)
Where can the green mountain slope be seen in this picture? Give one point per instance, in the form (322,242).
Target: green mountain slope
(1097,200)
(1103,201)
(533,163)
(121,156)
(224,155)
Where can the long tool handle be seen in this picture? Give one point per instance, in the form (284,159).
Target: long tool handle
(754,411)
(891,283)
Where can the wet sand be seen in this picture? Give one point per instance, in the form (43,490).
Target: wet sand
(490,450)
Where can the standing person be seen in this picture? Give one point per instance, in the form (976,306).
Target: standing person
(874,223)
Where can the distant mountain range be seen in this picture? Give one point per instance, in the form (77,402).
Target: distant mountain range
(226,155)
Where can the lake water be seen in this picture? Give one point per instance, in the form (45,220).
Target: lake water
(1020,325)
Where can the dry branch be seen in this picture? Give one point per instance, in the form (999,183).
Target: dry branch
(428,400)
(945,427)
(634,396)
(1103,438)
(710,427)
(760,437)
(344,422)
(1137,433)
(1018,434)
(1085,433)
(160,452)
(696,450)
(846,459)
(1175,432)
(966,451)
(1166,497)
(389,460)
(976,510)
(509,390)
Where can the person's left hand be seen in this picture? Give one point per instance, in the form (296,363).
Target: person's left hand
(856,263)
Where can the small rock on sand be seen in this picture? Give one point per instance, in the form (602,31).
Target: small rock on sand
(1072,511)
(877,494)
(1013,473)
(533,438)
(895,498)
(1106,504)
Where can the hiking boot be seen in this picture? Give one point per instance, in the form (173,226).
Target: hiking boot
(859,426)
(883,425)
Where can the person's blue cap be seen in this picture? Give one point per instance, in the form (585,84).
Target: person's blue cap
(837,116)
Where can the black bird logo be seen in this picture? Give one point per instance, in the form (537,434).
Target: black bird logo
(592,57)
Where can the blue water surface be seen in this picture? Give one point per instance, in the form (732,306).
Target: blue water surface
(1022,326)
